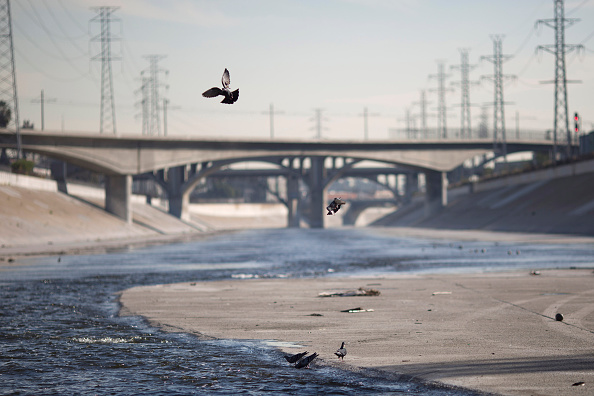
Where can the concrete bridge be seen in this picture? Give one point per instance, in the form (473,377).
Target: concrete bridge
(179,163)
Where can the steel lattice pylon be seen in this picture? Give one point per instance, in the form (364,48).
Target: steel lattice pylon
(151,97)
(108,115)
(464,83)
(442,129)
(499,136)
(8,89)
(561,123)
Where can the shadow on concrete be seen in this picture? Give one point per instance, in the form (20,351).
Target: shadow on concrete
(495,366)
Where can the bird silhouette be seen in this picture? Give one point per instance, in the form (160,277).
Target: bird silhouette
(295,358)
(230,97)
(306,361)
(341,352)
(334,206)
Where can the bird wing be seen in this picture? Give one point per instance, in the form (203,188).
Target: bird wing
(226,79)
(211,93)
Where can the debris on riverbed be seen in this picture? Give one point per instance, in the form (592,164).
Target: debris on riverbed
(362,291)
(356,310)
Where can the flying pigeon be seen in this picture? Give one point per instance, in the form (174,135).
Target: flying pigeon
(306,361)
(230,97)
(295,358)
(341,352)
(334,206)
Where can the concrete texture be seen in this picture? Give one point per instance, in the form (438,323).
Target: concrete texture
(562,206)
(38,222)
(492,332)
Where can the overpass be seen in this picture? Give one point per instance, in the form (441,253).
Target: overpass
(121,157)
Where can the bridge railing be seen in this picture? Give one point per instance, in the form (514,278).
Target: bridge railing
(476,134)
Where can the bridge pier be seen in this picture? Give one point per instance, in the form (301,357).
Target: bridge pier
(294,215)
(316,192)
(411,187)
(179,202)
(118,190)
(436,192)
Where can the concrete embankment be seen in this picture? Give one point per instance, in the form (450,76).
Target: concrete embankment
(558,201)
(37,219)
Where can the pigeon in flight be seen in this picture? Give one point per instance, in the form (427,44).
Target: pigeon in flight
(341,352)
(306,361)
(334,206)
(230,97)
(295,358)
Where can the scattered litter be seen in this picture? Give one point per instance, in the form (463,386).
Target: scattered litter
(535,273)
(358,309)
(441,293)
(559,317)
(581,383)
(351,293)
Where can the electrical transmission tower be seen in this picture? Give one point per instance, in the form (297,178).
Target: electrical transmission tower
(108,116)
(561,124)
(151,122)
(442,130)
(423,115)
(499,138)
(464,83)
(8,89)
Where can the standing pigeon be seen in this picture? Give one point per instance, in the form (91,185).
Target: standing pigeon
(230,97)
(341,352)
(306,361)
(295,358)
(334,206)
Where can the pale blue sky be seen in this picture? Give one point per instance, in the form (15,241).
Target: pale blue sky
(338,55)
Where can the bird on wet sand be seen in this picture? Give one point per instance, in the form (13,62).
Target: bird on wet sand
(295,358)
(341,352)
(334,206)
(306,361)
(229,97)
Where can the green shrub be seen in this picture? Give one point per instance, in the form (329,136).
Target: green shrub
(23,166)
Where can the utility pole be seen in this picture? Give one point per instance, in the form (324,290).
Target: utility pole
(442,130)
(318,120)
(8,89)
(108,116)
(499,138)
(165,107)
(365,124)
(558,23)
(42,101)
(464,83)
(271,113)
(151,95)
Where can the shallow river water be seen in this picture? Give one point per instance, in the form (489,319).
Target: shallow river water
(60,332)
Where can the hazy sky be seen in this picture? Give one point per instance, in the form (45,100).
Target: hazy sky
(337,55)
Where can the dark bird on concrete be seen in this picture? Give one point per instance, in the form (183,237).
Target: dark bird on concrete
(230,97)
(306,361)
(341,352)
(295,358)
(334,206)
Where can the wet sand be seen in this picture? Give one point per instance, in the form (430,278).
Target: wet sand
(493,332)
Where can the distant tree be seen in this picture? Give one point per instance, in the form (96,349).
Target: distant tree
(5,114)
(28,125)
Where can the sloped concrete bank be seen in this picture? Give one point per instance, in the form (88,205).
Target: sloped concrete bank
(557,201)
